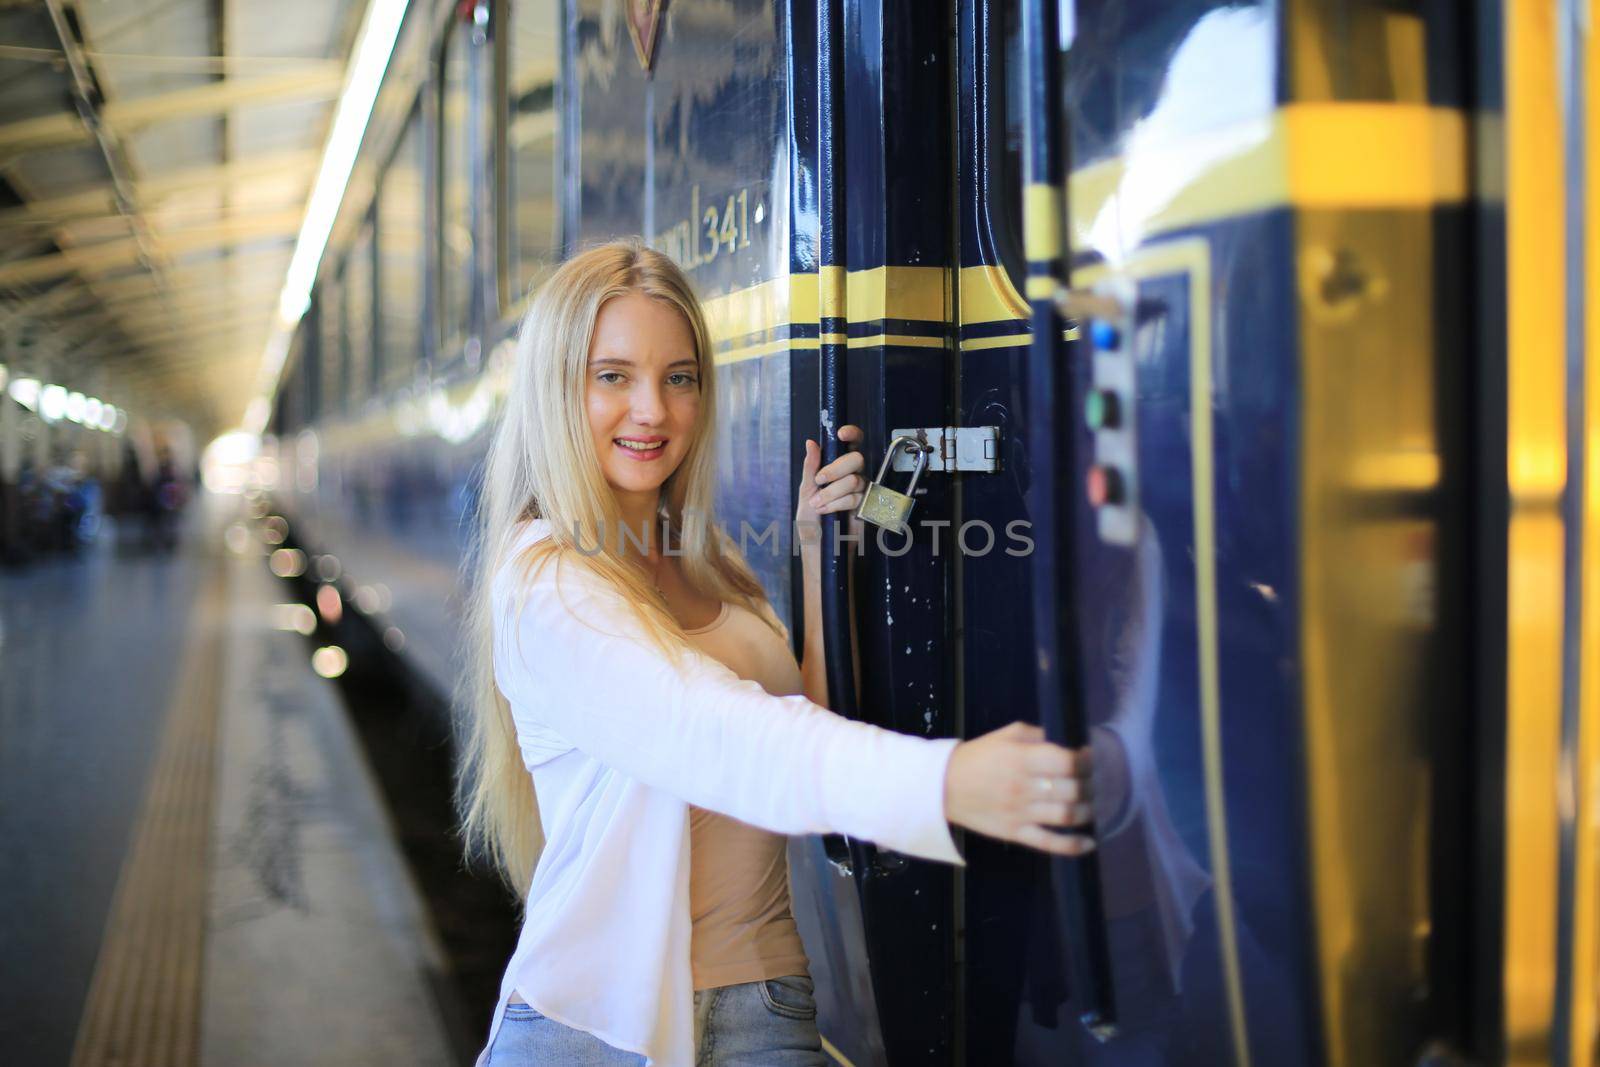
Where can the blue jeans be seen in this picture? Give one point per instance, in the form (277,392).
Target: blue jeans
(754,1024)
(758,1023)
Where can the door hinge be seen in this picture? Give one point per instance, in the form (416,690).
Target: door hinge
(953,448)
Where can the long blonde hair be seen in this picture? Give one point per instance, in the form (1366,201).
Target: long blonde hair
(542,464)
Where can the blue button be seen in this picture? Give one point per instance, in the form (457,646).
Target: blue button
(1103,334)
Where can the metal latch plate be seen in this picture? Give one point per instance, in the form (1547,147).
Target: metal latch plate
(953,448)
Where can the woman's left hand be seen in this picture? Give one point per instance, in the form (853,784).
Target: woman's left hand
(839,486)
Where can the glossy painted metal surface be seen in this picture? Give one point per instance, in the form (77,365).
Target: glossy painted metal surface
(833,400)
(896,243)
(1053,502)
(1171,954)
(694,156)
(1189,167)
(827,900)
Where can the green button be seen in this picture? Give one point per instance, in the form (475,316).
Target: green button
(1100,409)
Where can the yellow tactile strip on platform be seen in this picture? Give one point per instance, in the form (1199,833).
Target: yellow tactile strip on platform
(143,1007)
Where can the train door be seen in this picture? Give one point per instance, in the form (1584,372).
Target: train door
(1168,966)
(1329,549)
(1244,614)
(1146,618)
(871,85)
(1201,815)
(975,965)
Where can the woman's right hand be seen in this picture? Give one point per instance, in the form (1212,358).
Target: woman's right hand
(1014,785)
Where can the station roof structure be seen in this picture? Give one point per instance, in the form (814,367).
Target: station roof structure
(155,162)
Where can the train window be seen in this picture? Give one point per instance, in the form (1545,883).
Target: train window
(330,365)
(358,309)
(311,364)
(288,389)
(400,229)
(458,137)
(289,411)
(1005,98)
(532,125)
(335,360)
(280,413)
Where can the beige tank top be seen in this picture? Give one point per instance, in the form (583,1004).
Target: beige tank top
(743,930)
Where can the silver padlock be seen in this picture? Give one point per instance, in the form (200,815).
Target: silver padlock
(884,507)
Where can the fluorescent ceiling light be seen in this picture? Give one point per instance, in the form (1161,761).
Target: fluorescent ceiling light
(25,391)
(52,403)
(374,47)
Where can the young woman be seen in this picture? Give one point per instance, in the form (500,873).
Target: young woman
(630,672)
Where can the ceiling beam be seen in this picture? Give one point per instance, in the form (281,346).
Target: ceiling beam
(70,294)
(156,318)
(195,209)
(84,293)
(191,301)
(245,262)
(120,253)
(146,326)
(184,368)
(62,334)
(317,80)
(152,190)
(160,312)
(261,293)
(166,350)
(89,114)
(184,335)
(189,362)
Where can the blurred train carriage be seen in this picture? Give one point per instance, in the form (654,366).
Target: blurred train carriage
(1319,637)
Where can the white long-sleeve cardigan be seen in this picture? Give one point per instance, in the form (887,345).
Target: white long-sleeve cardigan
(620,742)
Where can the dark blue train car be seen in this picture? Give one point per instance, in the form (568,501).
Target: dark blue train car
(1202,306)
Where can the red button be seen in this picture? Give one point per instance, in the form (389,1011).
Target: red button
(1103,485)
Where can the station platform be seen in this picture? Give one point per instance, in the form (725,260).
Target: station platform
(200,868)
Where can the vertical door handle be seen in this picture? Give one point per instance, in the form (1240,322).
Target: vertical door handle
(1076,881)
(847,856)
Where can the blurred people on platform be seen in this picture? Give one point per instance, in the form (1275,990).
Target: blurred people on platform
(58,509)
(169,492)
(65,505)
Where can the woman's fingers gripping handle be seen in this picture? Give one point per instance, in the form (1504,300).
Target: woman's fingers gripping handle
(839,486)
(1014,785)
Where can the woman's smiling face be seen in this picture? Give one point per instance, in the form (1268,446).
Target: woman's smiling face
(642,392)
